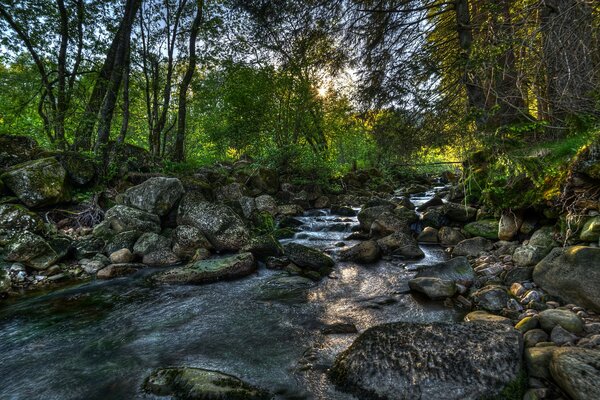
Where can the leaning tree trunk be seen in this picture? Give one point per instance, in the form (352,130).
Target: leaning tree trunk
(179,150)
(106,76)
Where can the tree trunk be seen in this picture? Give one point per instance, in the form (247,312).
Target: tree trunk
(179,150)
(566,27)
(476,98)
(83,133)
(61,97)
(112,92)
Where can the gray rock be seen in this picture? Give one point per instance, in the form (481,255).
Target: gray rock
(401,244)
(434,288)
(456,269)
(433,202)
(31,250)
(89,246)
(572,274)
(207,271)
(491,298)
(38,183)
(200,384)
(123,240)
(459,212)
(150,242)
(577,372)
(540,244)
(15,217)
(308,258)
(224,229)
(430,361)
(124,218)
(366,252)
(248,206)
(387,223)
(5,281)
(156,195)
(561,336)
(368,215)
(160,258)
(450,236)
(435,218)
(187,240)
(285,288)
(534,336)
(122,256)
(565,318)
(266,203)
(263,247)
(472,247)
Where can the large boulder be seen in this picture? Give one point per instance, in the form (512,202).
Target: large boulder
(309,258)
(200,384)
(38,183)
(285,288)
(150,242)
(401,244)
(365,252)
(14,217)
(31,250)
(387,223)
(472,247)
(541,243)
(207,271)
(266,203)
(156,195)
(187,239)
(368,215)
(81,169)
(491,298)
(459,212)
(124,218)
(572,274)
(264,246)
(450,236)
(220,224)
(430,361)
(577,372)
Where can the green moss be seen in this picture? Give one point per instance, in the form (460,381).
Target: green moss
(515,390)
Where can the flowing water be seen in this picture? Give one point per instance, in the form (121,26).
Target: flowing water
(101,339)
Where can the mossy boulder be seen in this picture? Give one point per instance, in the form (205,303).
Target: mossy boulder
(309,259)
(368,215)
(224,229)
(285,288)
(572,274)
(187,240)
(591,230)
(31,250)
(156,195)
(81,169)
(200,384)
(207,271)
(487,228)
(14,217)
(401,244)
(264,246)
(123,218)
(38,183)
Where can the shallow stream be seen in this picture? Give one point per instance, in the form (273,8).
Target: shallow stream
(101,339)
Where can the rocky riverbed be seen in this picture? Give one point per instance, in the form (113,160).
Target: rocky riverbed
(233,283)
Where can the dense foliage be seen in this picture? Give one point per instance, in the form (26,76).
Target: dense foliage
(309,86)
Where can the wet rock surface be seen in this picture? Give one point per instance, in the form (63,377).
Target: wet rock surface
(415,361)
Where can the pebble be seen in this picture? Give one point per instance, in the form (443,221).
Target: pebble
(530,296)
(517,289)
(552,304)
(514,305)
